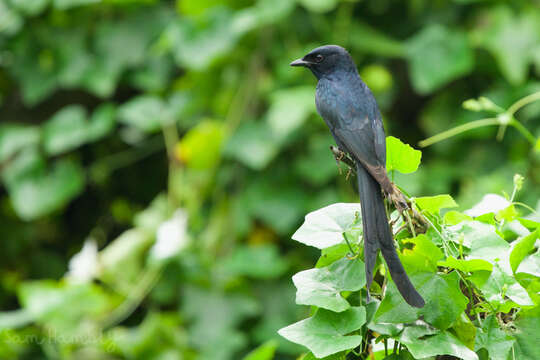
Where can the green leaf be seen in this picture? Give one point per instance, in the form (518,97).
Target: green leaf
(102,122)
(325,332)
(434,204)
(318,157)
(319,6)
(15,319)
(332,254)
(10,20)
(262,262)
(500,28)
(443,343)
(521,248)
(422,257)
(200,148)
(322,287)
(289,109)
(36,191)
(493,339)
(338,356)
(66,4)
(401,157)
(253,145)
(325,227)
(265,351)
(30,7)
(53,303)
(213,331)
(369,40)
(466,266)
(69,128)
(197,44)
(465,330)
(477,233)
(500,284)
(488,245)
(145,112)
(530,264)
(14,138)
(490,204)
(66,130)
(527,337)
(438,55)
(444,301)
(453,217)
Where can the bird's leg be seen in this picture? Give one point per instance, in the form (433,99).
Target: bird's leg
(404,206)
(341,156)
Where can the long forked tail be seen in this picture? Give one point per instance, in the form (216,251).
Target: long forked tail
(377,235)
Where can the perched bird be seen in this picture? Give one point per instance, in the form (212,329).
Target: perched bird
(349,109)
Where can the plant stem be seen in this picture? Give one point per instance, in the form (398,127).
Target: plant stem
(134,298)
(522,102)
(523,130)
(458,130)
(348,244)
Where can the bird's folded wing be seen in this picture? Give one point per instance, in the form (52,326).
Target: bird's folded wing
(365,140)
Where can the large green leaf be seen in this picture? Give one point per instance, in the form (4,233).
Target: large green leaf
(66,4)
(213,331)
(261,261)
(325,227)
(322,287)
(423,344)
(466,266)
(14,138)
(289,109)
(52,304)
(493,339)
(35,190)
(69,127)
(66,130)
(253,145)
(528,336)
(438,55)
(530,264)
(444,301)
(401,157)
(319,5)
(366,39)
(521,248)
(30,7)
(511,39)
(201,147)
(263,352)
(501,284)
(434,204)
(480,235)
(422,257)
(146,113)
(325,332)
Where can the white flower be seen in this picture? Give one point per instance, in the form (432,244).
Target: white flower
(490,203)
(171,237)
(83,266)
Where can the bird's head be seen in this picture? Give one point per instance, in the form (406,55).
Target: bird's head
(326,60)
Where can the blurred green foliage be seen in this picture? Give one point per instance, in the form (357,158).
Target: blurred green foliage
(116,113)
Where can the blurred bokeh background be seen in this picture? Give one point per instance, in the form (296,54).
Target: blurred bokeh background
(156,156)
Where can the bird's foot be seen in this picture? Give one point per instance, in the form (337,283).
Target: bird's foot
(408,213)
(341,156)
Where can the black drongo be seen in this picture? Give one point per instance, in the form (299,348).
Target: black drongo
(349,109)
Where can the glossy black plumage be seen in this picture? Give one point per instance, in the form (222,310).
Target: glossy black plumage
(349,109)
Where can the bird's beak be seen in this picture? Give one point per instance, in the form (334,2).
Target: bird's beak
(300,62)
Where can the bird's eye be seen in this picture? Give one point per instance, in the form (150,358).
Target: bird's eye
(319,58)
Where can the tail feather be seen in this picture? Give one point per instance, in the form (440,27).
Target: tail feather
(377,235)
